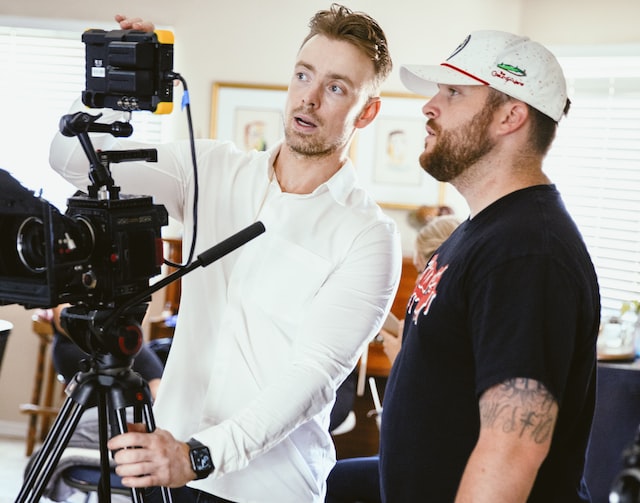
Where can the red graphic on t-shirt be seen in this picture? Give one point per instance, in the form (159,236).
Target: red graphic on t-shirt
(425,290)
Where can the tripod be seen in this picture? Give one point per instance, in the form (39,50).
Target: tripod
(108,384)
(113,337)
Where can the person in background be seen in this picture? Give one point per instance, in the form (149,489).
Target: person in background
(491,397)
(265,335)
(357,480)
(430,236)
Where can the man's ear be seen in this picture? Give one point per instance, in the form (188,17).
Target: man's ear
(368,113)
(514,114)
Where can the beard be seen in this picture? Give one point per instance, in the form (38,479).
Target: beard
(307,147)
(457,150)
(312,145)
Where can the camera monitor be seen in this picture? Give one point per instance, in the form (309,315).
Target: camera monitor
(129,70)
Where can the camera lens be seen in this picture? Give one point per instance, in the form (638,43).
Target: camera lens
(72,241)
(31,244)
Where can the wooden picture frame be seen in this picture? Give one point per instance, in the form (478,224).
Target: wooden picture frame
(386,155)
(250,115)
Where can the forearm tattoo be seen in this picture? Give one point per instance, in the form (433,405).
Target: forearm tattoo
(520,406)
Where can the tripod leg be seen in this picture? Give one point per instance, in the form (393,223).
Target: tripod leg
(104,484)
(41,470)
(147,414)
(142,411)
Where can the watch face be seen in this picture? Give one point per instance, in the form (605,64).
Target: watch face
(201,459)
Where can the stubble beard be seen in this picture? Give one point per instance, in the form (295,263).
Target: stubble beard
(457,150)
(312,145)
(306,146)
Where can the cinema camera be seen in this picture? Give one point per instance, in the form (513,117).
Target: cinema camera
(100,252)
(107,245)
(99,256)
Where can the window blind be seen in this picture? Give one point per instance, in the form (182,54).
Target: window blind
(595,162)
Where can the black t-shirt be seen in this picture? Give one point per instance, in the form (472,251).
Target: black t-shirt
(512,293)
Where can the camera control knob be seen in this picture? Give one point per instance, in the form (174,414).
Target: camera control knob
(89,280)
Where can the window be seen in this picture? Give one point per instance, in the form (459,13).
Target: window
(595,162)
(42,75)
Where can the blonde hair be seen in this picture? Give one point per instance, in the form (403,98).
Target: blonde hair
(431,236)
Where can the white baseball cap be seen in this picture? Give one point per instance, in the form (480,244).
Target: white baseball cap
(514,65)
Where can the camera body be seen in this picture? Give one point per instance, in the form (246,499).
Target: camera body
(129,70)
(101,252)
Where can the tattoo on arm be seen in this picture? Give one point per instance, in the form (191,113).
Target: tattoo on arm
(520,406)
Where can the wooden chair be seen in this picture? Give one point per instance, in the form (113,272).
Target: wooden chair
(41,409)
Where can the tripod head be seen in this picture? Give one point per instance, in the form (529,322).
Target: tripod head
(115,347)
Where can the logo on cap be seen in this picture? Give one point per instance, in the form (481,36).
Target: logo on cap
(460,47)
(514,70)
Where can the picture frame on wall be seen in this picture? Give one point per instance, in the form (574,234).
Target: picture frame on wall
(250,115)
(385,153)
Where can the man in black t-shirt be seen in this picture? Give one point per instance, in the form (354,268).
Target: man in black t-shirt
(492,395)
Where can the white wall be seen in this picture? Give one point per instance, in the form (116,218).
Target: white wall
(256,41)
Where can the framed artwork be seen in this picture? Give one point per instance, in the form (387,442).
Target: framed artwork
(386,155)
(248,114)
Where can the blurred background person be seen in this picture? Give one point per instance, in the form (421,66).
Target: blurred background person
(429,238)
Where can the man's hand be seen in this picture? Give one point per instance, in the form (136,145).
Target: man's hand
(151,459)
(134,23)
(391,344)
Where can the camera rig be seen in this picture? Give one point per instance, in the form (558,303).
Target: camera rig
(104,249)
(106,274)
(100,255)
(107,246)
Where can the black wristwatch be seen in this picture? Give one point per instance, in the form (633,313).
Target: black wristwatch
(201,462)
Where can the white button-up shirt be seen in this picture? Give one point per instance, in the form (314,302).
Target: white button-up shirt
(266,334)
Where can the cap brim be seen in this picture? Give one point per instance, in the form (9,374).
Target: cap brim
(424,79)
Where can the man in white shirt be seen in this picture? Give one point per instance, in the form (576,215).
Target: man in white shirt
(266,334)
